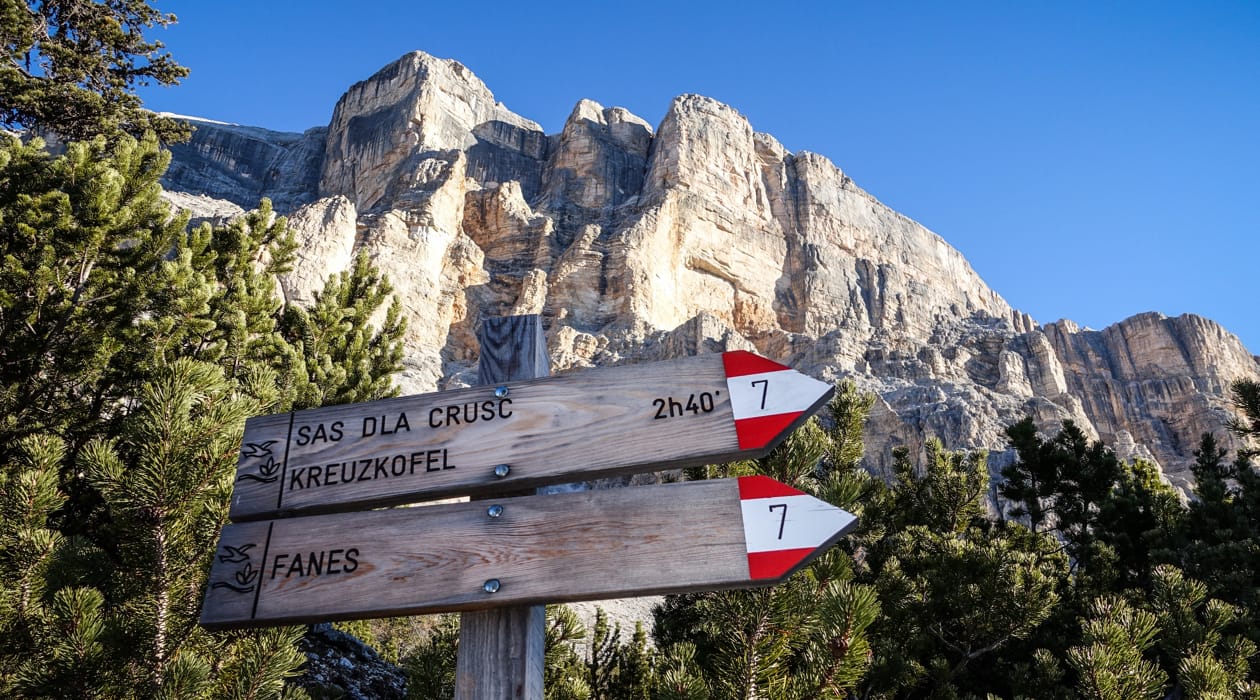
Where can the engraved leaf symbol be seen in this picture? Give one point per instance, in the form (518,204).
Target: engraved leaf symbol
(270,468)
(247,575)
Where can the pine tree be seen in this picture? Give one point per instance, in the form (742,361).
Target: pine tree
(1135,527)
(602,658)
(679,676)
(431,664)
(1111,664)
(638,666)
(1199,639)
(165,482)
(71,68)
(565,675)
(1141,623)
(957,592)
(138,348)
(614,670)
(1246,397)
(245,256)
(50,633)
(1136,643)
(128,629)
(1060,484)
(84,239)
(346,358)
(1218,539)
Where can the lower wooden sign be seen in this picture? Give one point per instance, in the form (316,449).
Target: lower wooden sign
(589,545)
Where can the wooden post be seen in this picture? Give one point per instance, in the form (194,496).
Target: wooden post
(501,650)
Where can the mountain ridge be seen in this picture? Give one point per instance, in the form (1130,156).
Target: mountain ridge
(700,235)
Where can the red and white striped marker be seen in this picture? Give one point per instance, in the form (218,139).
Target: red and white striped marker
(783,527)
(767,397)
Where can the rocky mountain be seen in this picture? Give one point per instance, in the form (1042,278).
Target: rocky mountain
(699,235)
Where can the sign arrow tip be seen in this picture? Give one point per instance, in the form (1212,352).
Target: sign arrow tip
(784,527)
(768,399)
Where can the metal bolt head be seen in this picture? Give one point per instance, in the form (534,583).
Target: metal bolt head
(500,392)
(491,586)
(502,470)
(494,511)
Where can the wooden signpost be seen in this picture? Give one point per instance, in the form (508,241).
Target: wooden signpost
(499,559)
(502,651)
(593,545)
(516,435)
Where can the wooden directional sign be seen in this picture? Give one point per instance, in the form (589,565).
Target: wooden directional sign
(592,545)
(604,422)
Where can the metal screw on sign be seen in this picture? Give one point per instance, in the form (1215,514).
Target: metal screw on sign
(491,586)
(500,392)
(502,470)
(494,511)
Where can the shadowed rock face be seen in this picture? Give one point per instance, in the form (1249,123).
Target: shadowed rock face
(1152,380)
(700,236)
(244,164)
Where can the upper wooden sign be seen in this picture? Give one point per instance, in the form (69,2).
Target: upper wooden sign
(593,545)
(604,422)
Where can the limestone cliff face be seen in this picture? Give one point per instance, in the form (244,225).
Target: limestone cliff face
(243,164)
(1153,381)
(701,235)
(385,128)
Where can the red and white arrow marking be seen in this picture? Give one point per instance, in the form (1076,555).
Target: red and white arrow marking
(767,397)
(783,526)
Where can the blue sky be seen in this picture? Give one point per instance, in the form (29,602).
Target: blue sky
(1092,160)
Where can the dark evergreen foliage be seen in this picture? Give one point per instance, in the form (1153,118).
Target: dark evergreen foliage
(71,68)
(958,593)
(138,348)
(1246,394)
(1060,484)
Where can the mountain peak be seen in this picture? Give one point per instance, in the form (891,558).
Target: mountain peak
(700,235)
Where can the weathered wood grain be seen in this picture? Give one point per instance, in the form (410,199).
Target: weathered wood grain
(501,654)
(587,425)
(589,545)
(513,348)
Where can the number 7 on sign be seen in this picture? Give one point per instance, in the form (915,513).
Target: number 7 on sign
(783,526)
(783,519)
(765,388)
(766,397)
